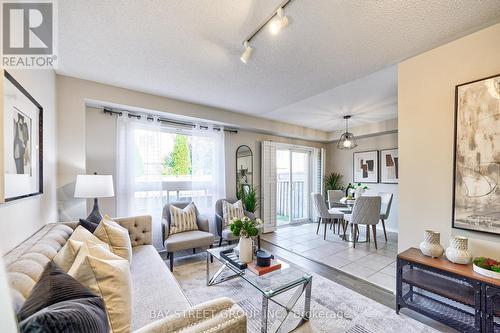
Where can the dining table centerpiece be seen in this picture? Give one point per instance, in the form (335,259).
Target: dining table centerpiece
(245,228)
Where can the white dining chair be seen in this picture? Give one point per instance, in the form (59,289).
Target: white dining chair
(324,216)
(366,211)
(334,197)
(385,209)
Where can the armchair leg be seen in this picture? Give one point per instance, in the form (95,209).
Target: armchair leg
(374,228)
(194,250)
(385,233)
(211,256)
(220,242)
(171,256)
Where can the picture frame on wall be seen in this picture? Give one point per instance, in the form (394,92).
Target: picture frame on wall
(22,141)
(476,170)
(389,166)
(365,167)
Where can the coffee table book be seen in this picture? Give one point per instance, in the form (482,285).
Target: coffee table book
(275,265)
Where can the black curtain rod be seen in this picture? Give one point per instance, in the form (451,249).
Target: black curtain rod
(164,120)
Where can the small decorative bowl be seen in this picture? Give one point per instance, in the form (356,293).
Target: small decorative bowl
(486,272)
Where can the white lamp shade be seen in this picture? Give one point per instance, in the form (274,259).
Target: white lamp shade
(94,186)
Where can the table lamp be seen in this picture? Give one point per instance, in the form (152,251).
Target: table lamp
(94,186)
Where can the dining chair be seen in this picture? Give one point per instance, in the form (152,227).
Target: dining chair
(334,197)
(366,211)
(385,208)
(323,214)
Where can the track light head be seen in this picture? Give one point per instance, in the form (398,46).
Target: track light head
(279,22)
(245,56)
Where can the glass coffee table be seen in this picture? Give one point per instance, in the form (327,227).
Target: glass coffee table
(269,285)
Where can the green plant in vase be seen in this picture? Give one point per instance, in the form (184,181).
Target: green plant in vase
(245,228)
(333,181)
(249,196)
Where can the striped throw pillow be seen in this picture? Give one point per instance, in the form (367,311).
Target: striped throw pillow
(230,211)
(183,219)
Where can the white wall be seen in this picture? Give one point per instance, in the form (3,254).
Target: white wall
(426,121)
(101,151)
(74,94)
(21,218)
(341,161)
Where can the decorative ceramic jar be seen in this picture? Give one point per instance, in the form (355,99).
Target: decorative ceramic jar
(458,251)
(246,249)
(431,246)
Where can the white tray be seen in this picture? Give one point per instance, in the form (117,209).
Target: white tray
(486,272)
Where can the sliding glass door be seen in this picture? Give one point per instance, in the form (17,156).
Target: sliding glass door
(293,185)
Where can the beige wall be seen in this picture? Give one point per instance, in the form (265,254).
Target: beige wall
(21,218)
(101,151)
(73,95)
(342,161)
(426,112)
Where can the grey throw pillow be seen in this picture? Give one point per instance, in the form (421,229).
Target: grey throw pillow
(59,303)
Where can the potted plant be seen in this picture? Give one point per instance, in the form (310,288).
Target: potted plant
(359,190)
(249,196)
(333,181)
(245,228)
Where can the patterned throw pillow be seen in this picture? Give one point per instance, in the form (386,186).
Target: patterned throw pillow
(230,211)
(116,237)
(183,219)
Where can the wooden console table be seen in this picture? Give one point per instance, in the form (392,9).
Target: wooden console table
(452,294)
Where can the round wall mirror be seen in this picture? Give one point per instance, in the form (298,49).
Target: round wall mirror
(244,167)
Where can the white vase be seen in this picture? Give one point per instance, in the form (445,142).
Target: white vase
(431,246)
(458,251)
(246,246)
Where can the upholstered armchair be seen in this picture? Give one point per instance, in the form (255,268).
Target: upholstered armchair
(223,232)
(187,239)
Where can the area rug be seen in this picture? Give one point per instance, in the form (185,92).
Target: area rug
(334,308)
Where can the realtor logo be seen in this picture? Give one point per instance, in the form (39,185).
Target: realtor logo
(28,30)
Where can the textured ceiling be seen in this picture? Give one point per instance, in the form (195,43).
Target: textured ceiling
(190,49)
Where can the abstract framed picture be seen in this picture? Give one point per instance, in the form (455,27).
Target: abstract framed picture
(365,167)
(389,166)
(22,151)
(476,181)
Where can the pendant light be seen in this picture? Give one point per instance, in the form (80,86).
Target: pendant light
(347,140)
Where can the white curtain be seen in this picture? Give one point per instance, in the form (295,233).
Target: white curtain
(141,184)
(208,170)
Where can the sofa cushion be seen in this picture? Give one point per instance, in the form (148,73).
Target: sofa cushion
(116,237)
(188,240)
(83,235)
(59,303)
(107,275)
(155,292)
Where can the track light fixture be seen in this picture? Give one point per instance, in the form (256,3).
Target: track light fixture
(277,21)
(245,56)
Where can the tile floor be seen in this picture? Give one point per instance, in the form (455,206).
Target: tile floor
(364,261)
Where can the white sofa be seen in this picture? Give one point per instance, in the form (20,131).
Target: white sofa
(158,302)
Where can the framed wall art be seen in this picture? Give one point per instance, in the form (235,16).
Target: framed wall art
(22,141)
(389,166)
(476,181)
(365,167)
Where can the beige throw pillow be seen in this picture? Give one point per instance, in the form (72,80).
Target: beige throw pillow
(66,256)
(116,236)
(230,211)
(108,276)
(83,235)
(183,219)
